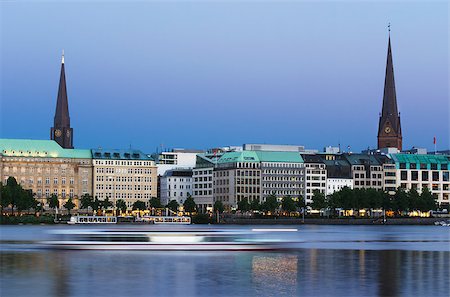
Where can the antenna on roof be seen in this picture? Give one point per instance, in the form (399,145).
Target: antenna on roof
(62,58)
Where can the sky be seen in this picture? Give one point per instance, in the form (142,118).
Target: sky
(202,74)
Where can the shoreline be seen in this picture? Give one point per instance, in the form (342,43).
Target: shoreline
(325,221)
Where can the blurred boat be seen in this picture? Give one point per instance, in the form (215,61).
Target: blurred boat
(185,240)
(92,220)
(171,220)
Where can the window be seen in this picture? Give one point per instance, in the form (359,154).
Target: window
(445,176)
(424,175)
(414,175)
(403,175)
(435,175)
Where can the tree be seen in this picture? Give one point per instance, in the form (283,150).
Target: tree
(121,205)
(69,205)
(401,201)
(95,204)
(255,205)
(10,193)
(427,201)
(25,200)
(288,204)
(189,205)
(319,201)
(218,206)
(414,199)
(271,203)
(155,203)
(105,204)
(140,205)
(53,201)
(86,201)
(173,205)
(243,205)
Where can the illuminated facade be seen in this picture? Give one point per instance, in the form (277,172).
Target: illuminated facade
(46,168)
(129,175)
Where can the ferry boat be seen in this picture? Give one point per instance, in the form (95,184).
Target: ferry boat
(92,220)
(164,240)
(172,220)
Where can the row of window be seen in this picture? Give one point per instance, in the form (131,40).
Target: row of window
(145,179)
(414,175)
(123,187)
(423,166)
(124,163)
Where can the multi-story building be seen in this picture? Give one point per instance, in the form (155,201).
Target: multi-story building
(123,174)
(315,176)
(176,158)
(282,174)
(176,184)
(237,176)
(202,181)
(423,171)
(46,168)
(338,171)
(366,170)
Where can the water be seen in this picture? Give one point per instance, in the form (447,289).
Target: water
(329,261)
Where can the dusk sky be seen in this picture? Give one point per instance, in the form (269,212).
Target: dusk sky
(206,74)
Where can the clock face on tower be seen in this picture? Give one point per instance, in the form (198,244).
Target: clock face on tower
(387,130)
(58,133)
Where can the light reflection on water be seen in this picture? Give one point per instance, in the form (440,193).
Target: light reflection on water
(309,272)
(331,261)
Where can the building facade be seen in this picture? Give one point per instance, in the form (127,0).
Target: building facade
(46,168)
(176,184)
(237,176)
(315,176)
(129,175)
(202,181)
(424,171)
(282,174)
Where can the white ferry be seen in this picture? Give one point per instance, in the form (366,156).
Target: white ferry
(172,220)
(162,240)
(92,220)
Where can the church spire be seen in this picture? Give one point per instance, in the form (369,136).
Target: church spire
(389,130)
(61,131)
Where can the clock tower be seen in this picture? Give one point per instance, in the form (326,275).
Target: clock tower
(61,131)
(389,128)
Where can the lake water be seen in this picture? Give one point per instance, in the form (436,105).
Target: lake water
(328,261)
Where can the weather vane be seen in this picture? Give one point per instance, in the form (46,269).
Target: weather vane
(389,27)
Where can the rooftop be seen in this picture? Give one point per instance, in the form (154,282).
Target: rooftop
(39,149)
(117,154)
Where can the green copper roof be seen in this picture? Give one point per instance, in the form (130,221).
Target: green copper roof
(233,157)
(285,157)
(39,148)
(424,159)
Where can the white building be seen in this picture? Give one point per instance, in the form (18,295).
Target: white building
(414,171)
(176,158)
(129,175)
(176,184)
(315,176)
(337,184)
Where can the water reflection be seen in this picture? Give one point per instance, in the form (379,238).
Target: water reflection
(313,272)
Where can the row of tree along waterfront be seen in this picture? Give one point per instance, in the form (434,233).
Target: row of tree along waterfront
(401,203)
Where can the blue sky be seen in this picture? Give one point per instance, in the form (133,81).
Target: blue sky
(204,74)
